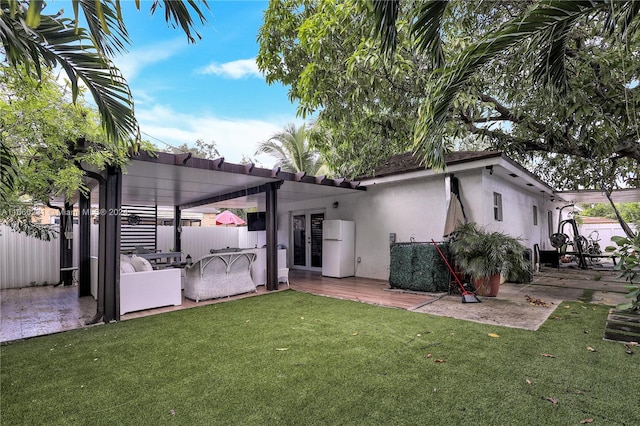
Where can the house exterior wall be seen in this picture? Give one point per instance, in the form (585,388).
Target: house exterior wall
(517,211)
(413,209)
(417,209)
(410,209)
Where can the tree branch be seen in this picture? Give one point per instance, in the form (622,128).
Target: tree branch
(507,114)
(523,144)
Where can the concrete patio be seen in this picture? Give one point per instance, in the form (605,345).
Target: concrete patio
(36,311)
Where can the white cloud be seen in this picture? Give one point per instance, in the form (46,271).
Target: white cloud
(234,69)
(133,62)
(233,137)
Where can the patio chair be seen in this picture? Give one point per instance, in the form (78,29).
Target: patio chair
(283,276)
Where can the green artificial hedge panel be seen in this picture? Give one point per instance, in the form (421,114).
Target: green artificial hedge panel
(401,269)
(419,267)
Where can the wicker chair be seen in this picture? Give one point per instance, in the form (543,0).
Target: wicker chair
(283,276)
(219,275)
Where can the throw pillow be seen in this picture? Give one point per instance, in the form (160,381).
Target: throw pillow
(141,264)
(126,268)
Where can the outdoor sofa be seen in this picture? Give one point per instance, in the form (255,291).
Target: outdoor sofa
(141,287)
(219,275)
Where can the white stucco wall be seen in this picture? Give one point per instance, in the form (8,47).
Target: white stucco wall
(414,209)
(417,209)
(476,190)
(410,209)
(517,210)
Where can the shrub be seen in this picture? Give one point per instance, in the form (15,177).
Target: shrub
(629,266)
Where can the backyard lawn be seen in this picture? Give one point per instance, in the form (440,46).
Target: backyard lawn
(294,358)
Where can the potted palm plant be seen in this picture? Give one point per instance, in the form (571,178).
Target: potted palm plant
(485,256)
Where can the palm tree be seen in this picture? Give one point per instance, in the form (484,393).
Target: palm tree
(292,150)
(547,25)
(33,39)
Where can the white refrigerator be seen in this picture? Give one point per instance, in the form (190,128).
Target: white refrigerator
(338,248)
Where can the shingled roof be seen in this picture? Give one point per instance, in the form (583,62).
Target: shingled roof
(409,162)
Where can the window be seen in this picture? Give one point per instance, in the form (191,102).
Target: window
(535,215)
(497,206)
(550,222)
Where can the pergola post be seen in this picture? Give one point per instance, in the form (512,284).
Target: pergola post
(177,229)
(84,246)
(111,212)
(66,246)
(271,194)
(102,237)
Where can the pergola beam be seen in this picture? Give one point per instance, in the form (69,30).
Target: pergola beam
(229,196)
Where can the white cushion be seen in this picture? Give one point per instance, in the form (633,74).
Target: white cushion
(141,264)
(126,267)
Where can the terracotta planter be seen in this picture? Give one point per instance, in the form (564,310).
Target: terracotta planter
(487,286)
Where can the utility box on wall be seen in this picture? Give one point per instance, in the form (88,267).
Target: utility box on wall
(419,267)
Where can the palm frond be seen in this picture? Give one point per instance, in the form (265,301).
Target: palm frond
(386,14)
(104,23)
(552,39)
(623,18)
(31,38)
(427,27)
(177,13)
(292,150)
(553,18)
(56,42)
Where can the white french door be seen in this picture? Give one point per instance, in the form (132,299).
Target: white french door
(306,240)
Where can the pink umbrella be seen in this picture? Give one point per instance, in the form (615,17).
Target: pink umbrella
(228,218)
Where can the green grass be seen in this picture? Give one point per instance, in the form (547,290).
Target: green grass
(294,358)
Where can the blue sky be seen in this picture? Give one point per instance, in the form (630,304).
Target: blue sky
(211,90)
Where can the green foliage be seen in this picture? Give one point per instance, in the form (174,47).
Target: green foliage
(23,217)
(582,54)
(201,149)
(8,171)
(401,266)
(629,266)
(630,212)
(45,137)
(365,108)
(418,267)
(292,150)
(480,253)
(44,132)
(465,73)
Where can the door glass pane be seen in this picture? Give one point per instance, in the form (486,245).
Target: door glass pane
(316,239)
(299,240)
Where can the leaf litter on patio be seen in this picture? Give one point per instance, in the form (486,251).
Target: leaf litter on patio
(537,302)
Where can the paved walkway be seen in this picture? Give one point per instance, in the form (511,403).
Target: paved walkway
(35,311)
(528,306)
